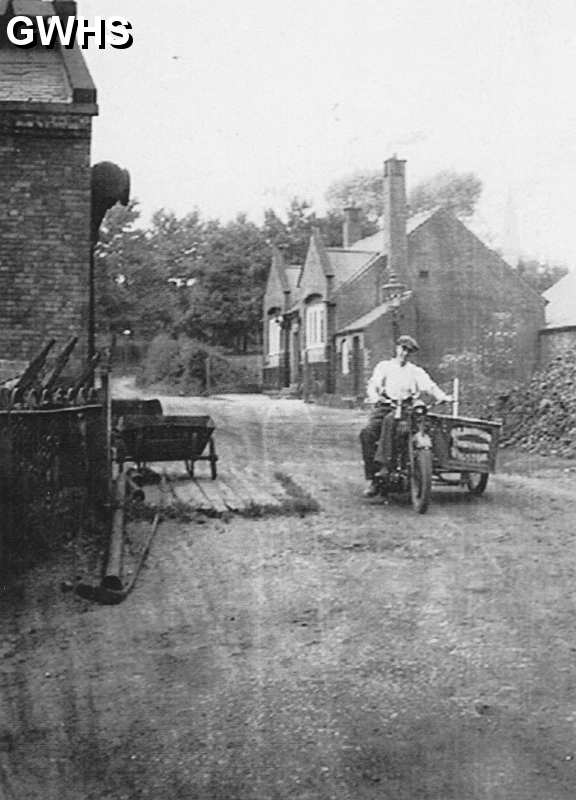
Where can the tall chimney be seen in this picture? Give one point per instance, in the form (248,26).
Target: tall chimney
(395,213)
(351,231)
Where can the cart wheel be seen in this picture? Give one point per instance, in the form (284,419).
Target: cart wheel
(476,482)
(421,480)
(189,467)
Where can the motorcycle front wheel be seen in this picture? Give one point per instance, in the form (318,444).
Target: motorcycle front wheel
(476,482)
(421,480)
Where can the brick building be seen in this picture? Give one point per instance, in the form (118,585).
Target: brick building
(328,321)
(47,101)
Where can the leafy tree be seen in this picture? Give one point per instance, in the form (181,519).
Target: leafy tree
(120,249)
(456,191)
(292,235)
(540,275)
(225,305)
(364,190)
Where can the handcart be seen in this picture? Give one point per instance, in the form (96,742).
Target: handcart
(146,439)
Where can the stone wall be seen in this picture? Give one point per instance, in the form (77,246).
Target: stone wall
(556,342)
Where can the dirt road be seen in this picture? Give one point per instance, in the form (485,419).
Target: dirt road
(361,652)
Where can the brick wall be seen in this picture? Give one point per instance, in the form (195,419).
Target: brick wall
(459,286)
(44,229)
(359,295)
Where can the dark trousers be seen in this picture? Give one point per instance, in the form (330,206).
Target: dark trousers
(377,439)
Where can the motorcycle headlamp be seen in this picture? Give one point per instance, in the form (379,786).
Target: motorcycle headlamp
(420,409)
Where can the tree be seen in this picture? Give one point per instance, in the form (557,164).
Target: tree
(140,272)
(540,275)
(292,235)
(121,247)
(457,192)
(364,190)
(225,307)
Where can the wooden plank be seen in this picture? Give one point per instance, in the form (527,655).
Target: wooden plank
(212,490)
(190,493)
(234,501)
(240,489)
(249,488)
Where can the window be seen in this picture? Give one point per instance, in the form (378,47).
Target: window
(315,325)
(274,333)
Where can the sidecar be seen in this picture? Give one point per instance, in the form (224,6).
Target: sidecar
(463,450)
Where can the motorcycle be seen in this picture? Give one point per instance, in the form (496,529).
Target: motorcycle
(410,468)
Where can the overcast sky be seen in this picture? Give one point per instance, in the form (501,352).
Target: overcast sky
(238,106)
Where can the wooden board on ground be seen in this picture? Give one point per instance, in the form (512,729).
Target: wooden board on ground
(212,490)
(248,488)
(233,490)
(188,491)
(233,500)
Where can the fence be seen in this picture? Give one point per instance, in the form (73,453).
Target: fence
(53,476)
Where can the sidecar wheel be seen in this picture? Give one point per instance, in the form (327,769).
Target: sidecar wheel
(421,480)
(476,482)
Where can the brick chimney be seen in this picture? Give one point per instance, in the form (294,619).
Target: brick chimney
(351,231)
(395,213)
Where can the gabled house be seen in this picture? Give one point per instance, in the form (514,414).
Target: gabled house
(328,321)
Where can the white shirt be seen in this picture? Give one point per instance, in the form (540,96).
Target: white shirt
(401,381)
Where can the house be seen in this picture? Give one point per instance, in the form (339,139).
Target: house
(559,334)
(329,320)
(47,102)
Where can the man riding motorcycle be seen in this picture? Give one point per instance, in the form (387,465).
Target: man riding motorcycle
(395,380)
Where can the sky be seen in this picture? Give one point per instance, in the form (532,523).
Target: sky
(233,107)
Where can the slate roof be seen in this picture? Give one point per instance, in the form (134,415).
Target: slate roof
(561,308)
(37,75)
(375,242)
(55,76)
(346,263)
(371,316)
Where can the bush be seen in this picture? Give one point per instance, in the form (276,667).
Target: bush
(479,394)
(192,367)
(161,360)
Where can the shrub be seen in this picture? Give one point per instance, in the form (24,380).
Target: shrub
(193,367)
(161,360)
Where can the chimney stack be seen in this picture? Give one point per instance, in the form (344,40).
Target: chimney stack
(351,231)
(395,214)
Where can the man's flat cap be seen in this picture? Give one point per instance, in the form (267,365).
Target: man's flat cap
(409,343)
